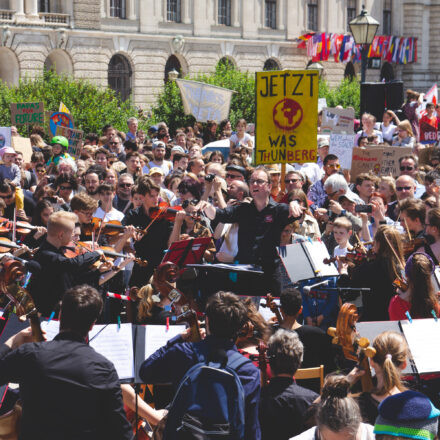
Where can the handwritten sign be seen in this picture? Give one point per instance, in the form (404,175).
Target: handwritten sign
(286,121)
(322,103)
(24,146)
(60,118)
(365,160)
(75,138)
(337,120)
(342,146)
(390,160)
(27,113)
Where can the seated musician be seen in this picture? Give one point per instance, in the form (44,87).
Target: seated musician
(59,273)
(188,226)
(68,390)
(389,361)
(317,344)
(432,232)
(412,216)
(283,403)
(379,274)
(226,315)
(419,298)
(152,244)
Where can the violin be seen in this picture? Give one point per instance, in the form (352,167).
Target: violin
(110,228)
(164,211)
(11,274)
(22,227)
(273,307)
(354,347)
(410,246)
(355,258)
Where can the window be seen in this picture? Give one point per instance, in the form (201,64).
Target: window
(312,15)
(119,76)
(271,14)
(224,12)
(271,64)
(172,63)
(43,6)
(226,63)
(117,8)
(387,17)
(351,11)
(387,72)
(349,71)
(173,11)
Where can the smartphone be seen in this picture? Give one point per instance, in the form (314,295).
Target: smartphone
(364,208)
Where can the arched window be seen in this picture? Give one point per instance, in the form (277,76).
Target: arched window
(9,69)
(271,64)
(59,61)
(387,72)
(227,62)
(172,63)
(119,76)
(349,71)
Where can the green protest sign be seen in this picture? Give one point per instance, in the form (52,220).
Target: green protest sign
(27,113)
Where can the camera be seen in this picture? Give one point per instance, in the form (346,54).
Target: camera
(210,177)
(331,215)
(50,179)
(364,208)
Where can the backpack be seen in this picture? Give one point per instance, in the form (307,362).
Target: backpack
(209,402)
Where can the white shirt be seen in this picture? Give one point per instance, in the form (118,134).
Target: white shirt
(340,252)
(244,140)
(114,214)
(166,167)
(311,170)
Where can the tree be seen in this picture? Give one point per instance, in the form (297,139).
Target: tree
(91,106)
(347,94)
(169,107)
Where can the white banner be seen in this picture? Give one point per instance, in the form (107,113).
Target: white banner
(204,101)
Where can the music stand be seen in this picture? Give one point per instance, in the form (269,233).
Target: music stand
(186,252)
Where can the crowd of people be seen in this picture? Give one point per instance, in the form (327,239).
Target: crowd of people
(104,222)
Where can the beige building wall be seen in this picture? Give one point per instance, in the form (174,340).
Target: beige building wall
(80,37)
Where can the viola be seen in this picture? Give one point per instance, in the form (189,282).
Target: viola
(354,347)
(11,274)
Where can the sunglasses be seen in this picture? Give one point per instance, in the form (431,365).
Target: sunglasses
(401,188)
(125,185)
(232,176)
(113,143)
(406,168)
(292,180)
(186,203)
(333,165)
(258,182)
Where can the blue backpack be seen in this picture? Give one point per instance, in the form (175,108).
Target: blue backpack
(209,402)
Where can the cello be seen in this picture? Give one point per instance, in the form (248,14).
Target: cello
(353,347)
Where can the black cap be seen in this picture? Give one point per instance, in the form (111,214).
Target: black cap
(237,168)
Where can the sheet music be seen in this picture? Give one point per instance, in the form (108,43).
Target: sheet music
(318,252)
(116,344)
(156,336)
(51,328)
(265,312)
(423,336)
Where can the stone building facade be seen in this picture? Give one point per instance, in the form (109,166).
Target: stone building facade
(132,44)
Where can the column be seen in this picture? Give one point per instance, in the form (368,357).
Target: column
(131,13)
(186,15)
(235,14)
(280,14)
(32,8)
(294,19)
(18,6)
(103,8)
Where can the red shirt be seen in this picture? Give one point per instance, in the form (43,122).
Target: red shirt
(398,307)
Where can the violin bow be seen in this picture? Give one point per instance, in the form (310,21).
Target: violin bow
(161,210)
(100,227)
(14,226)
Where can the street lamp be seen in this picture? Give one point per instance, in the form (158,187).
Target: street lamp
(316,66)
(363,28)
(173,74)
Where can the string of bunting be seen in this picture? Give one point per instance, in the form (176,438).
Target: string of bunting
(322,46)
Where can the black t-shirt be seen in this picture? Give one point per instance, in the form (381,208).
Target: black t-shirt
(259,232)
(29,206)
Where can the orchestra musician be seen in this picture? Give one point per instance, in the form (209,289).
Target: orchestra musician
(379,274)
(432,232)
(412,216)
(151,245)
(68,390)
(57,273)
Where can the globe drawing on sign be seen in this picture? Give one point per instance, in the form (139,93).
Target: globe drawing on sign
(287,114)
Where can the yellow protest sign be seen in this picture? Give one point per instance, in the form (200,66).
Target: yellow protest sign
(287,116)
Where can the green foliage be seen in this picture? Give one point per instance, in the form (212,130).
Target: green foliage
(169,107)
(347,94)
(91,106)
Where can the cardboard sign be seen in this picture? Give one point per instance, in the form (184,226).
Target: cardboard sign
(5,137)
(27,113)
(59,118)
(365,160)
(75,138)
(425,154)
(205,101)
(24,146)
(337,120)
(342,146)
(390,160)
(322,103)
(286,121)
